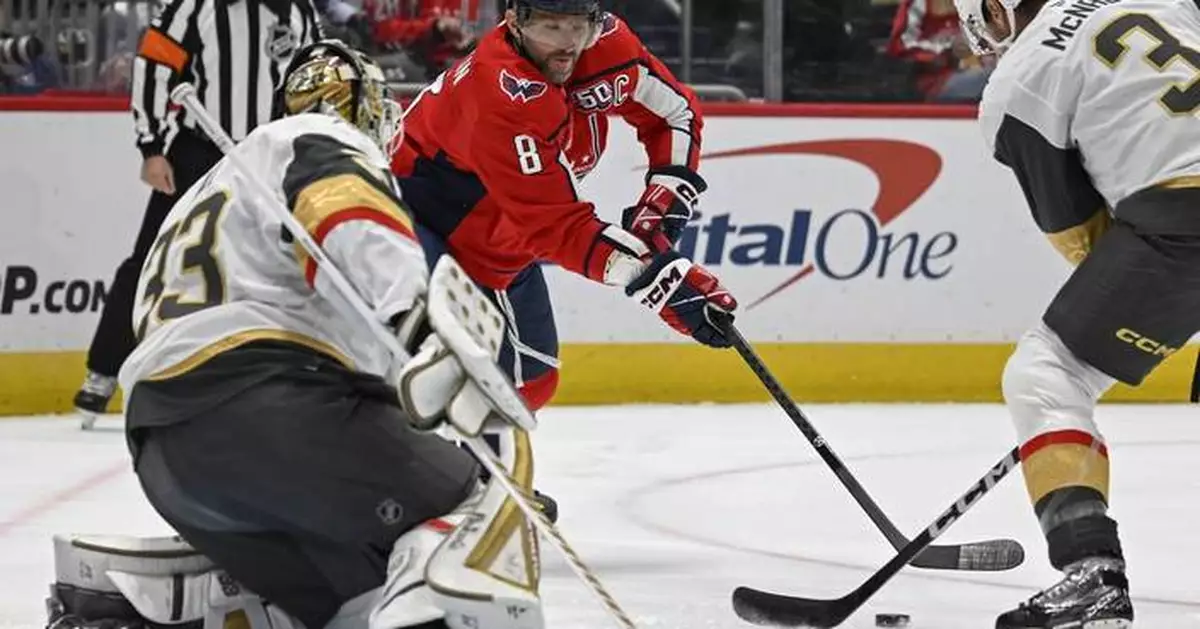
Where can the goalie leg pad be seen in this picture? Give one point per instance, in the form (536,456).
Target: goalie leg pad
(476,567)
(405,600)
(158,581)
(488,571)
(106,576)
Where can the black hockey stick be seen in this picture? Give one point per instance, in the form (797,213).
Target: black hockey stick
(990,555)
(764,608)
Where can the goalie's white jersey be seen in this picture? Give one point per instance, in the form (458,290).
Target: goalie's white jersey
(225,272)
(1118,81)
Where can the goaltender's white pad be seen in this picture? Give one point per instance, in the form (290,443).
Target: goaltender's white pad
(168,582)
(164,579)
(478,567)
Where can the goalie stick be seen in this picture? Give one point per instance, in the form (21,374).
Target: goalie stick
(471,357)
(990,555)
(765,608)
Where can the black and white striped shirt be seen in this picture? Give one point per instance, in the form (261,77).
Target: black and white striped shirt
(234,51)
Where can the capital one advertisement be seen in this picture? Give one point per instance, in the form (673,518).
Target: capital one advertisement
(71,202)
(826,230)
(839,230)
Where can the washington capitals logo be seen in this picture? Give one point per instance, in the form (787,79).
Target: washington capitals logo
(519,89)
(608,25)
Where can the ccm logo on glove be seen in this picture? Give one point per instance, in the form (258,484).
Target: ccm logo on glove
(668,280)
(686,296)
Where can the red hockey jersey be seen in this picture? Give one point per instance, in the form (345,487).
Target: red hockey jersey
(924,31)
(492,151)
(412,25)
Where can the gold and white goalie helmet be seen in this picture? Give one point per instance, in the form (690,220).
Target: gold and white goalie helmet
(973,15)
(332,78)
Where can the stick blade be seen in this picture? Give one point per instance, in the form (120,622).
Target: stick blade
(777,610)
(988,556)
(991,556)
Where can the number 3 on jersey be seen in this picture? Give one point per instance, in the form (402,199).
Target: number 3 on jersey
(1110,47)
(527,155)
(192,241)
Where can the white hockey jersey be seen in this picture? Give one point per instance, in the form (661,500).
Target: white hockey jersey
(1097,100)
(225,272)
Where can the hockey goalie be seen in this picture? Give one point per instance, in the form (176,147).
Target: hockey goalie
(292,453)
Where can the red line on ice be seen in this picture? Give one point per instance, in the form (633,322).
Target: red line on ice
(61,497)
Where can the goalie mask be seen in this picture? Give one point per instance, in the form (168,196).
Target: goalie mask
(974,14)
(331,78)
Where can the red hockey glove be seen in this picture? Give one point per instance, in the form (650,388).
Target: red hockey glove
(689,298)
(662,212)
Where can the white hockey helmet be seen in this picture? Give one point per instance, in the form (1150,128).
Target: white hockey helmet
(972,14)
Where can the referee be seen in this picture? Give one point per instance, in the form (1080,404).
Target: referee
(235,52)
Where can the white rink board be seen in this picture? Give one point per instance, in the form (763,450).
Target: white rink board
(981,272)
(72,202)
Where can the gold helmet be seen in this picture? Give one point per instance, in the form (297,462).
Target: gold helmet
(332,78)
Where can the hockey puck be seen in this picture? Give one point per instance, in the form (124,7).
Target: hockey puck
(892,620)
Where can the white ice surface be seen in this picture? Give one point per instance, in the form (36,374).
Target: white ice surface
(674,506)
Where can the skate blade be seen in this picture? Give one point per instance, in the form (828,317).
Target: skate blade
(87,419)
(1108,623)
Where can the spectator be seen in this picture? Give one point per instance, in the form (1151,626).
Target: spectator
(927,33)
(818,30)
(120,27)
(25,68)
(116,74)
(346,22)
(744,53)
(432,32)
(640,13)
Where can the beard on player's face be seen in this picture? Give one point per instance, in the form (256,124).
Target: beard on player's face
(554,42)
(557,65)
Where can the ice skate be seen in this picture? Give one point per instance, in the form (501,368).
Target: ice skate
(93,397)
(1094,594)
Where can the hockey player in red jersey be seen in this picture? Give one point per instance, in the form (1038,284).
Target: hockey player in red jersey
(490,164)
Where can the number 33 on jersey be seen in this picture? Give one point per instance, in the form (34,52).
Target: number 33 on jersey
(225,261)
(198,282)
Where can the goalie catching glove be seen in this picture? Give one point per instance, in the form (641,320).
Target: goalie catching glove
(453,376)
(434,388)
